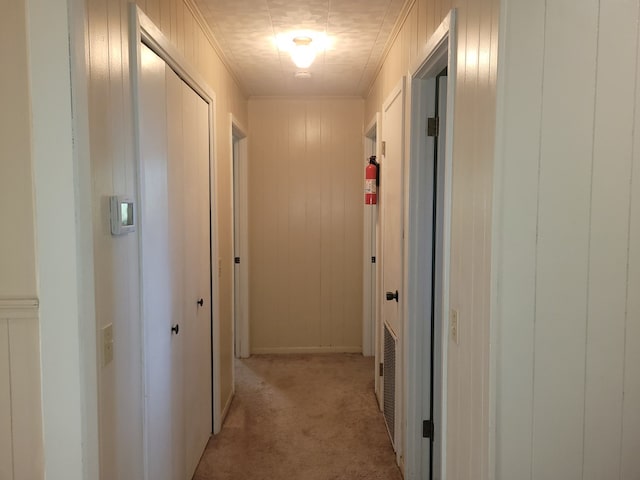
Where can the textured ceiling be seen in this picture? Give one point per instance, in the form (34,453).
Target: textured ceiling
(359,30)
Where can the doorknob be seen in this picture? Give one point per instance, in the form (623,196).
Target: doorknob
(392,296)
(200,302)
(175,329)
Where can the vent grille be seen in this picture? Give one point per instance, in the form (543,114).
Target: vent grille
(389,380)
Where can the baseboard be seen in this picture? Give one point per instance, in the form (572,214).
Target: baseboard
(226,408)
(285,350)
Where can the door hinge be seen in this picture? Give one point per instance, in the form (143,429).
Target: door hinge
(236,260)
(380,369)
(373,259)
(384,148)
(433,126)
(427,429)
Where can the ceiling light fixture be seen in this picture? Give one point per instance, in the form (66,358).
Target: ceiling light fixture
(303,53)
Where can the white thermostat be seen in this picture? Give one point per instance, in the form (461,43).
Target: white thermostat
(123,217)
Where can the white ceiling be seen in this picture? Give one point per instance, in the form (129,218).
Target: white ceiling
(245,29)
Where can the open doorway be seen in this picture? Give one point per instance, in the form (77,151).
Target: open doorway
(239,152)
(369,333)
(429,202)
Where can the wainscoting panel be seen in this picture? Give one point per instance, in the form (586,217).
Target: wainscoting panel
(21,453)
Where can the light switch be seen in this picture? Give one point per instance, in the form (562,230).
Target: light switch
(453,325)
(107,344)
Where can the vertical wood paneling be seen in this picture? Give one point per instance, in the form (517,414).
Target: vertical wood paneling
(612,146)
(297,219)
(472,165)
(335,245)
(315,161)
(413,37)
(421,6)
(353,224)
(586,344)
(152,9)
(165,17)
(630,461)
(563,238)
(24,347)
(6,441)
(325,235)
(516,228)
(309,166)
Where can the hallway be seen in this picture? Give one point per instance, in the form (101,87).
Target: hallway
(302,417)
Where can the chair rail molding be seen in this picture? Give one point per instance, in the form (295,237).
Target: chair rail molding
(15,308)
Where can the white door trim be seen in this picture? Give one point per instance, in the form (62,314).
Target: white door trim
(64,241)
(439,52)
(240,191)
(144,30)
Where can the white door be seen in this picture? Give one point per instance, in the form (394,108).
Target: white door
(160,302)
(176,182)
(391,203)
(197,323)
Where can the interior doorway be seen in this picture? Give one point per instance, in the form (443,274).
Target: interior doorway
(430,168)
(239,152)
(371,331)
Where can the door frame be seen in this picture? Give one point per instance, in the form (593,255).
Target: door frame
(372,143)
(438,53)
(371,327)
(143,30)
(239,195)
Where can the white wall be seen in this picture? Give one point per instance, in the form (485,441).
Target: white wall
(566,263)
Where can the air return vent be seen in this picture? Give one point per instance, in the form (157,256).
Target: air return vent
(389,409)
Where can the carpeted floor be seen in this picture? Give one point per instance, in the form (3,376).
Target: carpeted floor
(302,417)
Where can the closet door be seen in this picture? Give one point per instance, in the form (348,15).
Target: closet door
(197,366)
(176,270)
(161,302)
(176,182)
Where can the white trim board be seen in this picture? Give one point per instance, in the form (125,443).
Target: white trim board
(285,350)
(439,52)
(240,193)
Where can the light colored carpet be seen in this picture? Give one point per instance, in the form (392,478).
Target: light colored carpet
(302,417)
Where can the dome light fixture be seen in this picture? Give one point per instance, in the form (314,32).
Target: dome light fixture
(303,53)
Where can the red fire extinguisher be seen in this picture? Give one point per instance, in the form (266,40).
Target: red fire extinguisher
(371,182)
